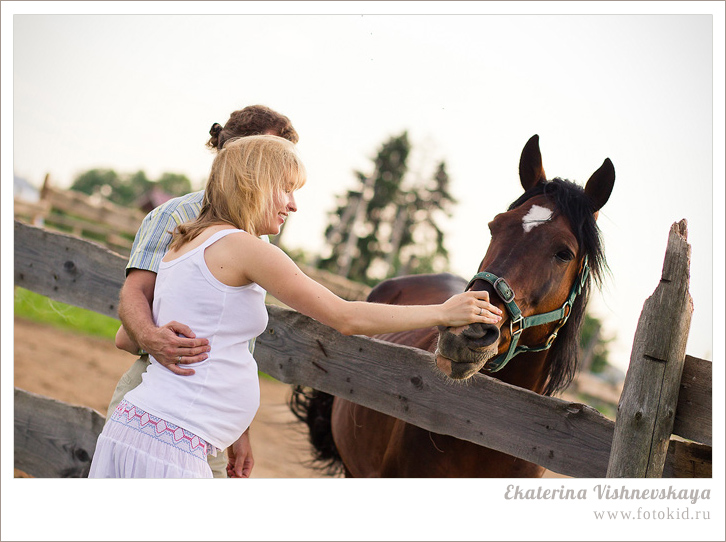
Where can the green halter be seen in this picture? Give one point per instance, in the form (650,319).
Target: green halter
(505,292)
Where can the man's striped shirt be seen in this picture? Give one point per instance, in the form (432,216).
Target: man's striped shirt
(155,233)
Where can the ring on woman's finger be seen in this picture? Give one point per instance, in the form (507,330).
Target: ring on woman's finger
(481,311)
(178,359)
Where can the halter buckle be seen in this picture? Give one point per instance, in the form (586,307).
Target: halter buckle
(516,321)
(504,290)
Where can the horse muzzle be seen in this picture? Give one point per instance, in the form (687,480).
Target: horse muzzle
(462,352)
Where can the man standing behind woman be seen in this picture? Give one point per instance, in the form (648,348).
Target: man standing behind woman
(215,277)
(174,344)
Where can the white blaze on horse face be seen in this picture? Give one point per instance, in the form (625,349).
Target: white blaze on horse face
(536,216)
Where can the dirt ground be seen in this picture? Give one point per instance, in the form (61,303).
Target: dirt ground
(84,370)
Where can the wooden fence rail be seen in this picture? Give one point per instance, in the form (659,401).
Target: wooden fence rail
(112,225)
(54,439)
(569,438)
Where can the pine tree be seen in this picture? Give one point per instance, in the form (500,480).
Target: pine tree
(387,225)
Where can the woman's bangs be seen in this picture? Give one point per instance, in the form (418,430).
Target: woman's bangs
(297,175)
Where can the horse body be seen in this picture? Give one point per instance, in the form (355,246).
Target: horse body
(374,445)
(389,441)
(542,247)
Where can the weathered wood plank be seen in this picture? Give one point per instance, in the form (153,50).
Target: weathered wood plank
(565,437)
(568,438)
(688,460)
(33,212)
(54,439)
(695,401)
(88,229)
(68,269)
(122,219)
(648,403)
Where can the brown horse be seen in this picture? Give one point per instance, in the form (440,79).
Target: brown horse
(543,255)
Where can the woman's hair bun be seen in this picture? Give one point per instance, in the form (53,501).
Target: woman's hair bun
(215,129)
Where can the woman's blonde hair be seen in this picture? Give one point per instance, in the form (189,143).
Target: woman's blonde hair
(245,177)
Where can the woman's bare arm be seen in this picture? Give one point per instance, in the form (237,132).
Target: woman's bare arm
(272,269)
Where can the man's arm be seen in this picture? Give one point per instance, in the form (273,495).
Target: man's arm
(170,344)
(124,342)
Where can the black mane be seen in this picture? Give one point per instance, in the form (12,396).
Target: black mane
(571,201)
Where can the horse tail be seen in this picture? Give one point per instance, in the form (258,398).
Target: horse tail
(314,408)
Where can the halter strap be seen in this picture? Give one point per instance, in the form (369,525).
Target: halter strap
(506,293)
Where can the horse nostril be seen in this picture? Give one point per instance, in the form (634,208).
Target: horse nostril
(482,335)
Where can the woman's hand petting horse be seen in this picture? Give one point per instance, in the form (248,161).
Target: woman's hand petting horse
(470,307)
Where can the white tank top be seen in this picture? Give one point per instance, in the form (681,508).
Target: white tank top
(220,400)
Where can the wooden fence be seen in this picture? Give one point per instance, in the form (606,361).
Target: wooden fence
(91,217)
(569,438)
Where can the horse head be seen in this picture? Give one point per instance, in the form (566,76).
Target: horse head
(544,252)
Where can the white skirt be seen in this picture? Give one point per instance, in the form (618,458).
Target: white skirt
(136,444)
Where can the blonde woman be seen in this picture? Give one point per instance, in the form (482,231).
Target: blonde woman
(214,278)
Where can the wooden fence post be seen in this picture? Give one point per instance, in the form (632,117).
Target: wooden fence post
(648,403)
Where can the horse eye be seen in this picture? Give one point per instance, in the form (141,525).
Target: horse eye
(565,256)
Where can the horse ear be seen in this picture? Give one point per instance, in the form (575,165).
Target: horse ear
(600,185)
(531,171)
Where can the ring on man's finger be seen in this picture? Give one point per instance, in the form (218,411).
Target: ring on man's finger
(178,359)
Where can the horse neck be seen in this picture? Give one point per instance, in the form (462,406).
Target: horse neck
(528,370)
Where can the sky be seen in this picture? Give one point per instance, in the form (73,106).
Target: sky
(137,86)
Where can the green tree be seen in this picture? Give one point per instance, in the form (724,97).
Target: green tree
(139,181)
(174,184)
(353,231)
(133,186)
(368,255)
(97,181)
(126,189)
(595,350)
(417,241)
(387,225)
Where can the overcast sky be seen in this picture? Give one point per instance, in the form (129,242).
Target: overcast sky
(133,91)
